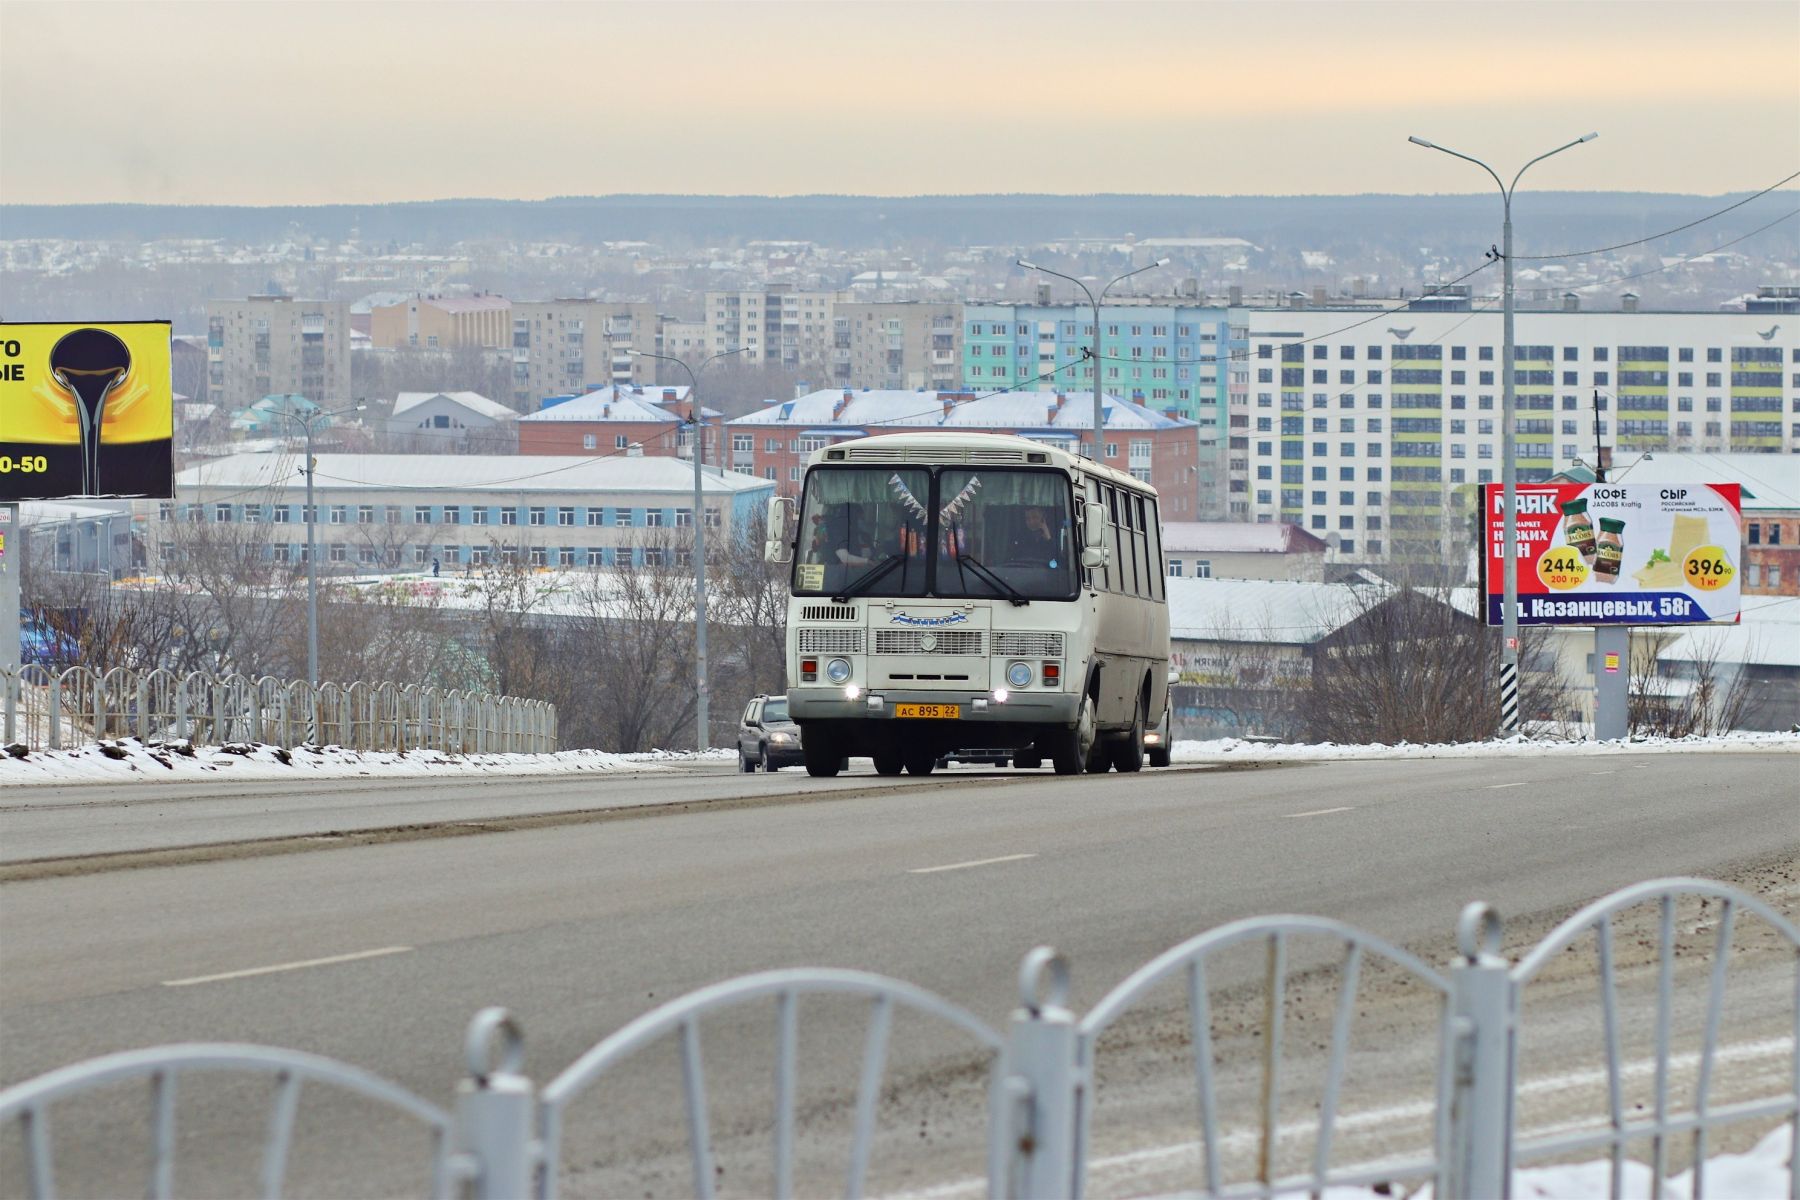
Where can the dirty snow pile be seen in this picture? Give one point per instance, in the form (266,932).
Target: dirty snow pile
(130,759)
(1239,750)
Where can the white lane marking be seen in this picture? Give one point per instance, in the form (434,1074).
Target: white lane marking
(1412,1110)
(980,862)
(1602,772)
(1321,812)
(1495,786)
(287,966)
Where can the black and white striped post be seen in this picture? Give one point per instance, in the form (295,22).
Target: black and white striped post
(1509,698)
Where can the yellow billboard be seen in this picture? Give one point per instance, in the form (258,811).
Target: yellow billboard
(86,409)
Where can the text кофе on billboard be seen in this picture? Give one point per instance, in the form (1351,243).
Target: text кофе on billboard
(1618,553)
(85,410)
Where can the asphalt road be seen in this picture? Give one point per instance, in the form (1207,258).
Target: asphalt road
(579,927)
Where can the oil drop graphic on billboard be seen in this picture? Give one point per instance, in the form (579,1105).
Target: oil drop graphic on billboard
(85,410)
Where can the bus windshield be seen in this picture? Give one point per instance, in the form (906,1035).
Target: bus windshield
(1004,535)
(864,529)
(996,534)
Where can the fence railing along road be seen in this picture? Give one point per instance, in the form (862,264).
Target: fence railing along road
(53,710)
(505,1137)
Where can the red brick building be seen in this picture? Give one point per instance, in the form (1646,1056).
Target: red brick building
(1164,451)
(652,421)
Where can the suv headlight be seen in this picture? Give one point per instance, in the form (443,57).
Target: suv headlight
(1018,675)
(838,670)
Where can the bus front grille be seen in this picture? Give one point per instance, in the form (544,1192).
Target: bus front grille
(830,641)
(1029,645)
(914,641)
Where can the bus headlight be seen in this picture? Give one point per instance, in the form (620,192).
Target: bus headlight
(838,670)
(1018,675)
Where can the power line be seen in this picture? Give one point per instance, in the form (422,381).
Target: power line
(1680,262)
(1665,233)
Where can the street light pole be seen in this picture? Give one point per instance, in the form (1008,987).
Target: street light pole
(305,421)
(699,423)
(1094,353)
(1509,651)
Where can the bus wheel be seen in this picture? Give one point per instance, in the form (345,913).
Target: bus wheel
(887,760)
(1070,749)
(1128,752)
(919,761)
(822,757)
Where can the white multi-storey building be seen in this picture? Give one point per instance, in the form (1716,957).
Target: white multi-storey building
(775,325)
(1369,428)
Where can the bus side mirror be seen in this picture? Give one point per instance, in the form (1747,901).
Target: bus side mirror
(1093,527)
(1092,558)
(778,545)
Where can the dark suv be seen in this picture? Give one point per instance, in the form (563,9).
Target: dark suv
(766,737)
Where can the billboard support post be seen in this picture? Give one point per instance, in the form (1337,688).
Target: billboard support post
(1612,682)
(12,550)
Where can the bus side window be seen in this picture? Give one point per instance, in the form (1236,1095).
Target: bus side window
(1148,569)
(1154,531)
(1133,582)
(1121,572)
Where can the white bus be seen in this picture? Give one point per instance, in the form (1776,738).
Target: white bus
(950,591)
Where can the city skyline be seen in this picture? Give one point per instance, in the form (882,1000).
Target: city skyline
(302,104)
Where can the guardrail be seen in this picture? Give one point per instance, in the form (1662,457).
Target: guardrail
(52,710)
(506,1137)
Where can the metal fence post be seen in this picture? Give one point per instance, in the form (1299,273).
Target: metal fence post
(496,1111)
(1043,1085)
(1481,1103)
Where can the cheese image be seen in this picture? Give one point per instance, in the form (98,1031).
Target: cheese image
(1690,533)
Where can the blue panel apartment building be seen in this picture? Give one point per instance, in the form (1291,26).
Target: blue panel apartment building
(1172,358)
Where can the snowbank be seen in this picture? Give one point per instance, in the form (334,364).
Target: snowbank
(113,762)
(1238,750)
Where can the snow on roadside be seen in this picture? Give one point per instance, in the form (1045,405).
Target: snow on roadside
(1239,750)
(130,760)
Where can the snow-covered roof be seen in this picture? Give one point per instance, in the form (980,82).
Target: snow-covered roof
(1770,480)
(1021,411)
(448,473)
(1279,611)
(1237,537)
(1768,635)
(620,404)
(475,402)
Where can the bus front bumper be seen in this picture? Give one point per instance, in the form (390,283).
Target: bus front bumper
(884,704)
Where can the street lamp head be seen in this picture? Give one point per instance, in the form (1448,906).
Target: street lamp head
(1029,265)
(1419,141)
(1161,262)
(1590,137)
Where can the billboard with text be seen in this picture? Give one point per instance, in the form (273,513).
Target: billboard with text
(1617,553)
(86,409)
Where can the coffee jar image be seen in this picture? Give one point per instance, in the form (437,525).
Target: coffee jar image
(1609,550)
(1578,528)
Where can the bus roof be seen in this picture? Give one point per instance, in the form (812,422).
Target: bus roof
(988,449)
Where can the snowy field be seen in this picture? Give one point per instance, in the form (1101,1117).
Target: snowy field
(127,759)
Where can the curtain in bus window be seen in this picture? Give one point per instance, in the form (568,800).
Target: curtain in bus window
(854,521)
(1004,533)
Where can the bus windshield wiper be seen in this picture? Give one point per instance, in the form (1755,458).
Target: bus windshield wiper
(988,573)
(868,579)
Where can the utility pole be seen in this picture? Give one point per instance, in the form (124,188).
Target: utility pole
(1509,652)
(1094,353)
(1612,643)
(698,422)
(305,421)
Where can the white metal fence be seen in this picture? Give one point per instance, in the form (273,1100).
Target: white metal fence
(505,1137)
(51,710)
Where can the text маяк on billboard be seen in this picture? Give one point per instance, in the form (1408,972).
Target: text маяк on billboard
(86,409)
(1618,553)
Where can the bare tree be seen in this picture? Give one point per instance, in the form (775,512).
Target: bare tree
(747,601)
(1704,695)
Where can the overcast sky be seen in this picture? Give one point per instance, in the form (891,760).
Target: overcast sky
(276,103)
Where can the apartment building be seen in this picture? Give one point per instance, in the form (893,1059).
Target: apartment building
(265,345)
(561,346)
(403,511)
(1161,450)
(903,344)
(650,421)
(1368,427)
(775,325)
(1173,358)
(686,340)
(442,323)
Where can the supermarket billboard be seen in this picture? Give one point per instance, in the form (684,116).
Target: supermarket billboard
(86,409)
(1617,553)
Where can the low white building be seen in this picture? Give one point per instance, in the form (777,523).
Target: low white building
(405,511)
(440,420)
(1233,550)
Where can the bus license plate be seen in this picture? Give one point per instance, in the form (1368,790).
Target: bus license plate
(950,711)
